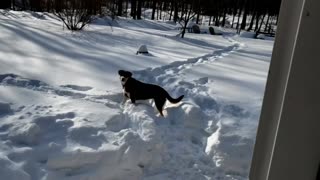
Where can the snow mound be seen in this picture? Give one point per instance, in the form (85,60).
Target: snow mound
(26,134)
(12,170)
(5,109)
(261,36)
(117,122)
(246,34)
(77,88)
(125,157)
(12,79)
(142,49)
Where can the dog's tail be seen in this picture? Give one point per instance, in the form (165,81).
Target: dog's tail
(172,100)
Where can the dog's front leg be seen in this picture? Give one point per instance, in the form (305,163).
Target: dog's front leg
(125,97)
(133,98)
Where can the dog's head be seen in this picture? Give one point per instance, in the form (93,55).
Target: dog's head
(124,76)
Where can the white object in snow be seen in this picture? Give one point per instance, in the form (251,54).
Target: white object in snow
(142,49)
(261,36)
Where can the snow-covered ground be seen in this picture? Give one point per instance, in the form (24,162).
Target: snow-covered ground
(61,115)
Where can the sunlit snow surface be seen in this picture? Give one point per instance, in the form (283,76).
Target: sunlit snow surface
(61,115)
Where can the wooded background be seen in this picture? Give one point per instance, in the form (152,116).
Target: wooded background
(250,15)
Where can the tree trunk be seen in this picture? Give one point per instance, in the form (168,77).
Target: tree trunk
(244,18)
(216,21)
(267,24)
(186,19)
(13,4)
(234,12)
(233,18)
(251,22)
(198,17)
(158,12)
(238,22)
(259,28)
(176,9)
(164,8)
(139,9)
(171,10)
(153,9)
(93,6)
(133,9)
(261,23)
(224,16)
(257,23)
(210,20)
(127,4)
(183,32)
(198,12)
(24,5)
(119,13)
(48,5)
(270,26)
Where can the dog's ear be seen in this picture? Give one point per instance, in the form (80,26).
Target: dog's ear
(124,73)
(129,74)
(120,72)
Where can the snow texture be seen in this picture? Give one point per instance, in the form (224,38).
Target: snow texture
(61,115)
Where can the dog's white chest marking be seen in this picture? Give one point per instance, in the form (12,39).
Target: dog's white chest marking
(126,94)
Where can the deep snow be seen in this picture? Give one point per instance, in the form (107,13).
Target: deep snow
(61,115)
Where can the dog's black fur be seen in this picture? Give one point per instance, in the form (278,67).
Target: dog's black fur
(137,90)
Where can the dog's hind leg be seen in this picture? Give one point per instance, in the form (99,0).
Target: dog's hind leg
(159,104)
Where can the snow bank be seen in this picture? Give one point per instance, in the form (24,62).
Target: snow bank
(253,35)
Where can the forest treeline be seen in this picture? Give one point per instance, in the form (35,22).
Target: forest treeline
(254,14)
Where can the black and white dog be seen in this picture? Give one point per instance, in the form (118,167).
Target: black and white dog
(137,90)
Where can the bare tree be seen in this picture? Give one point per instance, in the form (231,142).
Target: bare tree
(259,28)
(75,14)
(187,15)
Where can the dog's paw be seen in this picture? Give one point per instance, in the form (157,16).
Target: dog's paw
(123,104)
